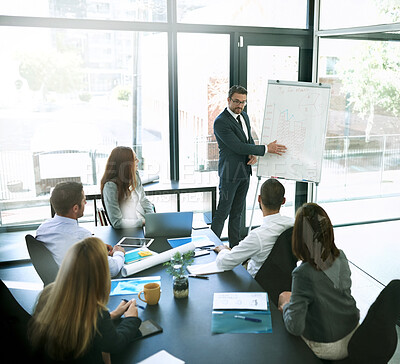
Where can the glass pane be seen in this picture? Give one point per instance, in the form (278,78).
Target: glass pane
(203,76)
(363,141)
(345,13)
(267,63)
(262,13)
(67,97)
(133,10)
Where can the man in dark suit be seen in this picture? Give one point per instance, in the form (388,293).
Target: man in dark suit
(237,153)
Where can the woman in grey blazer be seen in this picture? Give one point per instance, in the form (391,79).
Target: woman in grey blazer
(122,191)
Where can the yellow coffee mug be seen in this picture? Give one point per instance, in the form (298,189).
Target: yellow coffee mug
(151,293)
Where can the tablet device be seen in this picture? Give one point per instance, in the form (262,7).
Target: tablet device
(135,242)
(149,327)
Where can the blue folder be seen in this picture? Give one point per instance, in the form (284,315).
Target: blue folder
(223,321)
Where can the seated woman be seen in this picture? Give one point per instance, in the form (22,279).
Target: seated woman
(320,307)
(122,190)
(71,322)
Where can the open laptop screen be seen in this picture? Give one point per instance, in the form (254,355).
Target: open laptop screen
(168,224)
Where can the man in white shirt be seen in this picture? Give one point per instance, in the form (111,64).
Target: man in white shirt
(258,244)
(63,230)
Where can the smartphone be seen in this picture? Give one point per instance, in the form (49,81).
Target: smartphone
(135,242)
(149,327)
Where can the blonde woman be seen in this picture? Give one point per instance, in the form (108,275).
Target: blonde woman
(71,322)
(122,191)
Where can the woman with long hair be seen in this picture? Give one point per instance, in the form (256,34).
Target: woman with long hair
(122,191)
(320,306)
(71,322)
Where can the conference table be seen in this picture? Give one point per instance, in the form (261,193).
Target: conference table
(186,323)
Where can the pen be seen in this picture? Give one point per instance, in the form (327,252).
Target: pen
(247,318)
(142,307)
(197,276)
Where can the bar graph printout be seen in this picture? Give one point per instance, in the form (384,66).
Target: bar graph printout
(296,115)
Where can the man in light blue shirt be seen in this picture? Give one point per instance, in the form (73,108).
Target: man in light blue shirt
(63,230)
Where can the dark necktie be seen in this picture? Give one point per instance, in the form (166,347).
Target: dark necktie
(239,121)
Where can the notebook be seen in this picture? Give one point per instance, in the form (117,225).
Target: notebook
(168,224)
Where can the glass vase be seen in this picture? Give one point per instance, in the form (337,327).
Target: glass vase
(181,286)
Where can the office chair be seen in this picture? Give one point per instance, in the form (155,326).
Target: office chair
(13,322)
(275,275)
(42,260)
(375,341)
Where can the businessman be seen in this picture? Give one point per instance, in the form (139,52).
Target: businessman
(237,153)
(62,231)
(258,244)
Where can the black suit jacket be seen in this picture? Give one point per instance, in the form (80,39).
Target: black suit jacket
(234,148)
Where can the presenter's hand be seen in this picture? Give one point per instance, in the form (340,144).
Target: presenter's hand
(252,160)
(276,148)
(284,298)
(218,248)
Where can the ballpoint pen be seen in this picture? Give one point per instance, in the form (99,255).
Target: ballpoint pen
(197,276)
(142,307)
(247,318)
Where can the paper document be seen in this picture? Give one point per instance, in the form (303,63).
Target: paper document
(162,357)
(131,285)
(208,268)
(198,241)
(240,301)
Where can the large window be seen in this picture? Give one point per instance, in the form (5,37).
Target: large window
(132,10)
(361,159)
(81,77)
(203,83)
(265,13)
(67,97)
(345,13)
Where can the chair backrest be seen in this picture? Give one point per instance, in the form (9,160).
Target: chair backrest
(13,322)
(375,341)
(275,275)
(101,216)
(42,260)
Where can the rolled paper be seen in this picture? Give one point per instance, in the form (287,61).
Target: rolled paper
(136,267)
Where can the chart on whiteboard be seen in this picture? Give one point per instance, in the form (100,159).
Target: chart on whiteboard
(296,116)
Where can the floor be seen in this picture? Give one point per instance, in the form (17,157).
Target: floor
(372,251)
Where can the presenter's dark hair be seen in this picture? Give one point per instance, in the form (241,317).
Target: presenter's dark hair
(313,239)
(272,194)
(236,89)
(65,196)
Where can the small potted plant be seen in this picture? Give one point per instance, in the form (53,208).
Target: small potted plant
(177,268)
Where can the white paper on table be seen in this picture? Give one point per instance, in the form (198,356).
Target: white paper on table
(162,357)
(208,268)
(129,269)
(240,301)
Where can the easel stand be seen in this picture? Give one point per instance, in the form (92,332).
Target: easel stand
(254,204)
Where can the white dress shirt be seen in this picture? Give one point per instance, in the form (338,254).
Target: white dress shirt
(60,233)
(244,126)
(256,246)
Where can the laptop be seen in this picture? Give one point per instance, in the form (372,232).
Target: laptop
(168,224)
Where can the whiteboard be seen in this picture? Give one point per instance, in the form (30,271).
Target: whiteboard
(296,115)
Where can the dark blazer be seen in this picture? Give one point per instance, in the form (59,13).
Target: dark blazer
(234,148)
